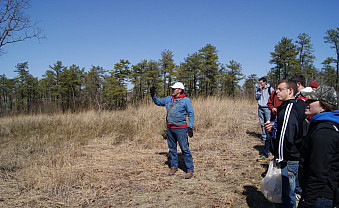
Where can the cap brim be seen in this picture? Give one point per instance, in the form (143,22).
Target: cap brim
(309,95)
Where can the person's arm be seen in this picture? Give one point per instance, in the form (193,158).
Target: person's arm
(190,113)
(258,94)
(270,101)
(156,100)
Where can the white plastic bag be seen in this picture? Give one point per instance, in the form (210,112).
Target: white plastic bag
(271,185)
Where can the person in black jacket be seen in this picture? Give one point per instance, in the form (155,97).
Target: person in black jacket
(319,160)
(301,83)
(285,145)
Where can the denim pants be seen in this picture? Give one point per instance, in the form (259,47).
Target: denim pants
(323,203)
(289,173)
(267,145)
(264,115)
(180,136)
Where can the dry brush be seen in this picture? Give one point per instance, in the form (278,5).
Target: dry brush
(119,159)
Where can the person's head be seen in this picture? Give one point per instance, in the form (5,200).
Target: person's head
(286,89)
(177,89)
(314,85)
(262,82)
(300,80)
(323,99)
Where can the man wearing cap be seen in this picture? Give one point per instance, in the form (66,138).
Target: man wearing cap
(178,107)
(319,157)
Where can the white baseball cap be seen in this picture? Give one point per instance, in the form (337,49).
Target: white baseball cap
(178,85)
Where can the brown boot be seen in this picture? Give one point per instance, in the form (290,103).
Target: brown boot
(189,174)
(172,171)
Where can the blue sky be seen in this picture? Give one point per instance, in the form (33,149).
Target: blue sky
(101,32)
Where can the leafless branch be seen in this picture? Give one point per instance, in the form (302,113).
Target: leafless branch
(15,24)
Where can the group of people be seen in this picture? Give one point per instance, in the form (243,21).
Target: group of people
(300,127)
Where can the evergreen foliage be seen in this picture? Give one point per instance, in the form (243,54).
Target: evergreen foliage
(332,37)
(305,58)
(249,85)
(284,58)
(64,88)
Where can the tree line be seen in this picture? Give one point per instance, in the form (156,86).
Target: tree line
(290,58)
(71,88)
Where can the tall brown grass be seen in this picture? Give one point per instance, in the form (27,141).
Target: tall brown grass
(85,159)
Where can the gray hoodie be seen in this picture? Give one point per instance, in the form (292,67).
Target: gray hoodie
(263,95)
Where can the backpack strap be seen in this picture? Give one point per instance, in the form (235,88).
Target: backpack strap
(172,107)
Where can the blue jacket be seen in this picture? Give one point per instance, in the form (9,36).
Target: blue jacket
(181,109)
(263,95)
(327,116)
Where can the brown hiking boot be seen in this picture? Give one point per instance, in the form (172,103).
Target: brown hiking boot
(172,171)
(189,174)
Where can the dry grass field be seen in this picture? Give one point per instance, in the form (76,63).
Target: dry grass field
(119,159)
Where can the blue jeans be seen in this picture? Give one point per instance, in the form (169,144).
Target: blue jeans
(267,145)
(323,203)
(264,115)
(289,173)
(180,136)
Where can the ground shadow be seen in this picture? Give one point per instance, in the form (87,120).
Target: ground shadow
(260,148)
(255,199)
(254,134)
(264,165)
(181,163)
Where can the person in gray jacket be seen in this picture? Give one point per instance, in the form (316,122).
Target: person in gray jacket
(262,95)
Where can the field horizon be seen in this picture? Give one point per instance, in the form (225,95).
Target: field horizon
(119,158)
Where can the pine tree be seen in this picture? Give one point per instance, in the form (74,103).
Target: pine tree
(188,73)
(152,75)
(52,86)
(306,58)
(71,80)
(121,73)
(332,37)
(284,58)
(7,89)
(26,86)
(249,85)
(209,70)
(328,73)
(111,91)
(167,71)
(94,79)
(138,79)
(234,75)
